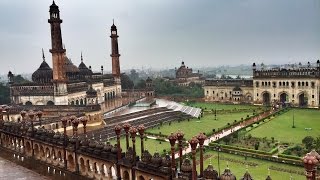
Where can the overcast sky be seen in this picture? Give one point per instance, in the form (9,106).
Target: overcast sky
(161,33)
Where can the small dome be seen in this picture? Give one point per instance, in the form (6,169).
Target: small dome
(146,156)
(156,159)
(148,80)
(43,74)
(91,92)
(83,69)
(247,176)
(237,88)
(69,66)
(210,173)
(227,175)
(186,166)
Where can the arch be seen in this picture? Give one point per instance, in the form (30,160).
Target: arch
(113,94)
(59,156)
(47,153)
(36,150)
(81,102)
(82,165)
(105,96)
(57,126)
(28,103)
(126,175)
(284,97)
(50,103)
(72,103)
(88,165)
(303,99)
(141,178)
(266,98)
(42,154)
(53,154)
(77,102)
(28,147)
(71,162)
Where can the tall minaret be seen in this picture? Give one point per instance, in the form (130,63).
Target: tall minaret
(58,61)
(115,54)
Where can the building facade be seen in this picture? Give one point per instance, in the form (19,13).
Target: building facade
(296,85)
(65,83)
(185,76)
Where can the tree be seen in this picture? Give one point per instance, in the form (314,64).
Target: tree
(19,79)
(4,94)
(308,142)
(126,82)
(141,84)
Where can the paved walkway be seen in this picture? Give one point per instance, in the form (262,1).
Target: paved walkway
(10,170)
(224,132)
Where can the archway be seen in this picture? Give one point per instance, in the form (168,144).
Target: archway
(47,153)
(42,154)
(105,96)
(82,165)
(303,100)
(71,162)
(50,103)
(141,178)
(28,103)
(28,147)
(81,102)
(72,103)
(126,175)
(77,102)
(36,150)
(283,98)
(266,98)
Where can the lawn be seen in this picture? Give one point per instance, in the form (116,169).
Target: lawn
(257,172)
(219,106)
(150,144)
(281,127)
(195,126)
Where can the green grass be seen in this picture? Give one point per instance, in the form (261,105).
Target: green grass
(219,106)
(151,145)
(258,172)
(195,126)
(281,127)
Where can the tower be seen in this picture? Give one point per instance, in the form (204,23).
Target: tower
(115,54)
(57,51)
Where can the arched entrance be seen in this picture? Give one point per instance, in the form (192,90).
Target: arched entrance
(50,103)
(71,162)
(82,165)
(303,100)
(283,98)
(28,103)
(126,175)
(266,98)
(141,178)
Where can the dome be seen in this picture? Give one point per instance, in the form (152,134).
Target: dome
(149,80)
(146,156)
(83,69)
(227,175)
(91,92)
(247,176)
(210,173)
(156,159)
(43,74)
(69,66)
(186,166)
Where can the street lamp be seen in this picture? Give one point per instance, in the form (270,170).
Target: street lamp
(39,114)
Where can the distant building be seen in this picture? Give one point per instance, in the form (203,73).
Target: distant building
(295,85)
(65,83)
(185,76)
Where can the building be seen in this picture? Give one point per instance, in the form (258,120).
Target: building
(66,83)
(185,76)
(294,85)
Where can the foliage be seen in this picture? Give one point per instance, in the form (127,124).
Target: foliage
(308,142)
(4,94)
(126,82)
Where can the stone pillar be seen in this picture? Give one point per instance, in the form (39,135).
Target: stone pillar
(64,121)
(180,135)
(117,130)
(141,130)
(310,162)
(193,143)
(201,138)
(126,128)
(173,138)
(133,132)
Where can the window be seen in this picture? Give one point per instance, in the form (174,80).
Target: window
(287,84)
(269,84)
(212,92)
(312,96)
(207,92)
(262,83)
(312,84)
(299,83)
(257,94)
(302,83)
(274,95)
(292,95)
(307,83)
(279,83)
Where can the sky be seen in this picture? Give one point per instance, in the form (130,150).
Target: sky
(162,33)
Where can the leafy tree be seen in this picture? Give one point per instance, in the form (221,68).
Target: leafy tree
(141,84)
(126,82)
(308,142)
(19,79)
(4,94)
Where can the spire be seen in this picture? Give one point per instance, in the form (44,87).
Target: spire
(81,57)
(44,59)
(112,21)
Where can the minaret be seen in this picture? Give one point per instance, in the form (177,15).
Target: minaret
(58,60)
(115,54)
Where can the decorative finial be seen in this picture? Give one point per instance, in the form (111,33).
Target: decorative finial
(44,59)
(81,57)
(112,21)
